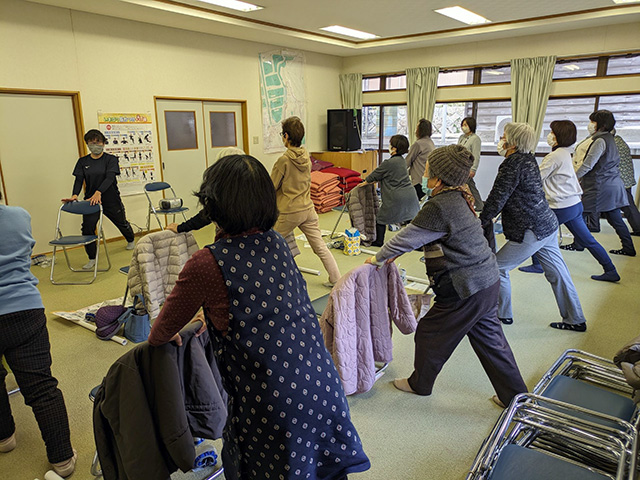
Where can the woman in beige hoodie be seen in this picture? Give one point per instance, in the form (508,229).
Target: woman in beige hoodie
(291,177)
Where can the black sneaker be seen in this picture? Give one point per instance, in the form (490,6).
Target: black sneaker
(622,251)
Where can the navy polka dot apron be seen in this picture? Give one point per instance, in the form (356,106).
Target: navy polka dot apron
(288,414)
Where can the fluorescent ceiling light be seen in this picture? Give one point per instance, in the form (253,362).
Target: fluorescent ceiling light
(349,32)
(571,66)
(494,72)
(625,1)
(234,5)
(463,15)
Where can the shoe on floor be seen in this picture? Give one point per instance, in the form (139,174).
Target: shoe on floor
(571,248)
(506,321)
(403,384)
(610,276)
(622,251)
(8,444)
(575,327)
(130,246)
(497,401)
(90,265)
(66,468)
(531,269)
(328,284)
(635,234)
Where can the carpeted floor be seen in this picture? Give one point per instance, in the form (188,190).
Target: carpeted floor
(406,436)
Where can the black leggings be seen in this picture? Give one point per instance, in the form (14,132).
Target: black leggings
(114,211)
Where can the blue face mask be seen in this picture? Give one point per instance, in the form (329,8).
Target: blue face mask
(428,191)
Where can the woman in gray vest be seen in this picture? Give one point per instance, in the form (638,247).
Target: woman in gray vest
(464,276)
(601,183)
(399,201)
(417,157)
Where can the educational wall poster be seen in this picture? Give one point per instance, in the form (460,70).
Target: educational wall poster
(130,138)
(283,94)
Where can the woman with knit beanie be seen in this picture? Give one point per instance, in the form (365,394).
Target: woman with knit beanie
(529,226)
(463,274)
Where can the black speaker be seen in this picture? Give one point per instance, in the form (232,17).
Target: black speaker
(343,129)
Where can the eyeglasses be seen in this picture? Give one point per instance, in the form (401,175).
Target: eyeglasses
(282,134)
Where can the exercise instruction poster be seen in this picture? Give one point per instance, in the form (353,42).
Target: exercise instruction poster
(130,138)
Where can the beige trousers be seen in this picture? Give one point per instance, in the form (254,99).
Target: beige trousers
(307,221)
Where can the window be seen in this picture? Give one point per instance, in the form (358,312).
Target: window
(575,109)
(447,121)
(379,124)
(396,82)
(626,110)
(491,117)
(624,65)
(371,84)
(495,74)
(455,77)
(575,68)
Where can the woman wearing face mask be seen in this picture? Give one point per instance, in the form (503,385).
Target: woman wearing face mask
(529,226)
(417,157)
(399,202)
(472,142)
(563,192)
(98,172)
(600,178)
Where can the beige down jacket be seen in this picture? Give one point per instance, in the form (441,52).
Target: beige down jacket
(156,263)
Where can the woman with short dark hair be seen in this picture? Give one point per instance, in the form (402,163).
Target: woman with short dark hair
(399,202)
(602,185)
(24,344)
(472,142)
(417,157)
(97,172)
(563,192)
(288,414)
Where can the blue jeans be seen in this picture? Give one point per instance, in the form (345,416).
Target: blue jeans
(572,218)
(556,272)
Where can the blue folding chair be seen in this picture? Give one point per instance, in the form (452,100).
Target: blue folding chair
(79,208)
(158,187)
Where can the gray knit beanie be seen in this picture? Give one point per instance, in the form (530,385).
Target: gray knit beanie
(451,164)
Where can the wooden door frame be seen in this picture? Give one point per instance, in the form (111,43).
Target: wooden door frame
(77,117)
(245,120)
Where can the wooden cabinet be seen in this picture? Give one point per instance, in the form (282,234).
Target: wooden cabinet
(363,162)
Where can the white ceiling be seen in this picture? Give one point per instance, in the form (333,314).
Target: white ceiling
(401,24)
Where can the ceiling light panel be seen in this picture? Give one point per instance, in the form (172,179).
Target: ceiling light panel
(234,5)
(463,15)
(626,1)
(349,32)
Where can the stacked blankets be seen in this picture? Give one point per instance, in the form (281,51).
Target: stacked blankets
(348,178)
(325,191)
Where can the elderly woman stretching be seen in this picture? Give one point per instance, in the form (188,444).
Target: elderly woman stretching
(288,415)
(529,225)
(464,276)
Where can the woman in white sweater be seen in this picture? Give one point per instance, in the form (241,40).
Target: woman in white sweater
(563,192)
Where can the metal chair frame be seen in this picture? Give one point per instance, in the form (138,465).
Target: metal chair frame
(157,187)
(547,425)
(79,208)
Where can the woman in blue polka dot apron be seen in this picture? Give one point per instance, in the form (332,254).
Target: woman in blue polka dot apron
(288,414)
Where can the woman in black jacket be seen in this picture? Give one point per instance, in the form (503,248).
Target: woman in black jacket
(529,225)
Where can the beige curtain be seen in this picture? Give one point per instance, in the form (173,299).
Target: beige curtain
(530,85)
(351,90)
(422,84)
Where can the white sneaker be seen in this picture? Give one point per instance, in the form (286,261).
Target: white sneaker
(66,468)
(130,246)
(90,265)
(8,444)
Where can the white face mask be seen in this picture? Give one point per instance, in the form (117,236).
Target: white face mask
(466,129)
(501,147)
(551,139)
(591,128)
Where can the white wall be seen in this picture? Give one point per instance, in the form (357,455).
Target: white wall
(119,65)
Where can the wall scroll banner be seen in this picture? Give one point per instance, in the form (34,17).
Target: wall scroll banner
(130,138)
(283,93)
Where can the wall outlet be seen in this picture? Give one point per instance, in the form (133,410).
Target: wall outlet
(256,140)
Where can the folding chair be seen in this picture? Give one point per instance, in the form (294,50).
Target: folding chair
(157,187)
(79,208)
(591,382)
(537,437)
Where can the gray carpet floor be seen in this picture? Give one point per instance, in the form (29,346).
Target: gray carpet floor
(406,436)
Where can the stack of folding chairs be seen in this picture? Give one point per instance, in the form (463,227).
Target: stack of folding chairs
(578,424)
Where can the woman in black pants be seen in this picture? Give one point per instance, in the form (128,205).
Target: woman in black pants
(24,344)
(98,172)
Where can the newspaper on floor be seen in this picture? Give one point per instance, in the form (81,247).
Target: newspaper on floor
(78,317)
